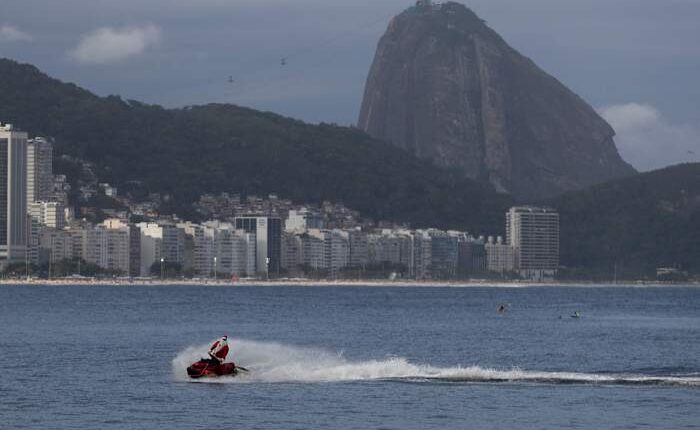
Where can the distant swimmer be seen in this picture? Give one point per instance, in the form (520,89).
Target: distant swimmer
(576,314)
(501,308)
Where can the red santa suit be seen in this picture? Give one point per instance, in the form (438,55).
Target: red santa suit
(219,350)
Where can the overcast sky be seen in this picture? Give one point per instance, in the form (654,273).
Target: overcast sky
(636,61)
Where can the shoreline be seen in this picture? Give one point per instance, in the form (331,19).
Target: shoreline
(338,283)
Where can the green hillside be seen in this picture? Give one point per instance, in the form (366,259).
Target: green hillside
(631,225)
(637,224)
(216,148)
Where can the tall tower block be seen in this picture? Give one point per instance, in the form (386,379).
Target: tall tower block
(39,170)
(13,195)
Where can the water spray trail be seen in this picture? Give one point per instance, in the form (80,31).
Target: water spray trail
(274,362)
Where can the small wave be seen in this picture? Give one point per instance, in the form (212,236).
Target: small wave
(278,363)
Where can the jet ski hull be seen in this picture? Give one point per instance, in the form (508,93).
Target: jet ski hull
(205,369)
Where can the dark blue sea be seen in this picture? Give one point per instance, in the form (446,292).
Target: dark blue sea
(95,357)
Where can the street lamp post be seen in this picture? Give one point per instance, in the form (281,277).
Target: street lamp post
(162,268)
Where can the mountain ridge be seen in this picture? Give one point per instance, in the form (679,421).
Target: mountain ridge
(446,87)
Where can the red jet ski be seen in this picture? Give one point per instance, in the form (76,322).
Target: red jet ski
(205,368)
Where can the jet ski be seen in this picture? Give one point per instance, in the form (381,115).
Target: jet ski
(205,368)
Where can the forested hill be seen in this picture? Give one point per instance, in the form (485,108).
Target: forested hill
(215,148)
(637,224)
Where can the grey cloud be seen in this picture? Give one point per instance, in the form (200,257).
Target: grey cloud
(10,33)
(649,141)
(107,45)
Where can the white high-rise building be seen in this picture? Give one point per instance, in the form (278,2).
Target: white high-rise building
(268,242)
(391,246)
(107,247)
(13,195)
(313,250)
(160,242)
(292,252)
(58,245)
(325,250)
(422,256)
(337,251)
(534,234)
(242,253)
(233,250)
(134,243)
(39,170)
(199,252)
(151,242)
(359,252)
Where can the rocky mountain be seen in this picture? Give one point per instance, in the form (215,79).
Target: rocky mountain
(184,153)
(447,88)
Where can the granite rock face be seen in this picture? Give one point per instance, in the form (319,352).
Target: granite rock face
(447,88)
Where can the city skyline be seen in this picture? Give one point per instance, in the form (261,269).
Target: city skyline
(257,238)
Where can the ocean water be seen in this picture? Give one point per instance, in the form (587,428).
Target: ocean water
(348,358)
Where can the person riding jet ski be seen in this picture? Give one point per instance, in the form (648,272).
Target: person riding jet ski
(218,351)
(214,365)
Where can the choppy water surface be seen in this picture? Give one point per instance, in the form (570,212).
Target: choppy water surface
(404,358)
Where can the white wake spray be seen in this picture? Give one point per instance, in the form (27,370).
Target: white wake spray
(274,363)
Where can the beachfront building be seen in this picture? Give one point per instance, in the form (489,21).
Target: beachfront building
(500,256)
(319,250)
(534,234)
(109,245)
(133,251)
(390,247)
(443,254)
(42,215)
(292,257)
(336,251)
(234,250)
(471,257)
(312,250)
(39,170)
(358,248)
(107,248)
(422,257)
(268,242)
(199,248)
(56,245)
(13,196)
(160,243)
